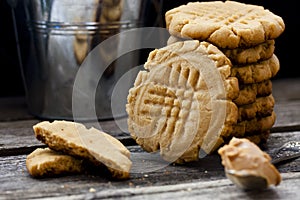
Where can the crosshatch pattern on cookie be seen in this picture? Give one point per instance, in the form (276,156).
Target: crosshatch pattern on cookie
(226,24)
(172,98)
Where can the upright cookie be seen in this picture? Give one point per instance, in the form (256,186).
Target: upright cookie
(227,24)
(180,104)
(96,146)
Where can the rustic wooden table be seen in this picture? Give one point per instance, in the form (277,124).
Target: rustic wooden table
(204,179)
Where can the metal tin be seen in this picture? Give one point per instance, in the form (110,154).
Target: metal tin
(62,34)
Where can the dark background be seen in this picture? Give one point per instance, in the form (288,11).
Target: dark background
(10,74)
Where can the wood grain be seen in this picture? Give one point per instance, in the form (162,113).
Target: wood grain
(200,179)
(150,179)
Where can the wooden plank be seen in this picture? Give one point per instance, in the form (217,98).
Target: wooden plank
(286,89)
(287,104)
(17,137)
(199,179)
(287,116)
(217,189)
(14,108)
(16,181)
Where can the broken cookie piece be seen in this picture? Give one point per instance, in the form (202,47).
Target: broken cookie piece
(46,162)
(76,140)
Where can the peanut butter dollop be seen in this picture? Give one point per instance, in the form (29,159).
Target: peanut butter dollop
(246,158)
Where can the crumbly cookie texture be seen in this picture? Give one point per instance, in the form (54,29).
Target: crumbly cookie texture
(258,139)
(243,55)
(75,139)
(249,92)
(227,24)
(262,107)
(253,126)
(256,72)
(253,54)
(176,105)
(44,162)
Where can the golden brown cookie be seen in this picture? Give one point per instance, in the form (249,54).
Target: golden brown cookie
(253,126)
(46,162)
(227,24)
(256,72)
(262,107)
(249,92)
(243,55)
(259,138)
(75,139)
(180,104)
(253,54)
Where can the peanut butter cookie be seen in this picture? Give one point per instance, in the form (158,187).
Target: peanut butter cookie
(76,140)
(180,104)
(226,24)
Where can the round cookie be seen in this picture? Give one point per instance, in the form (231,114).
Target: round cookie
(253,54)
(256,72)
(253,126)
(179,104)
(262,107)
(249,92)
(240,55)
(227,24)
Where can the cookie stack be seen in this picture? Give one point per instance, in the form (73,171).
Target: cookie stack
(212,81)
(246,35)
